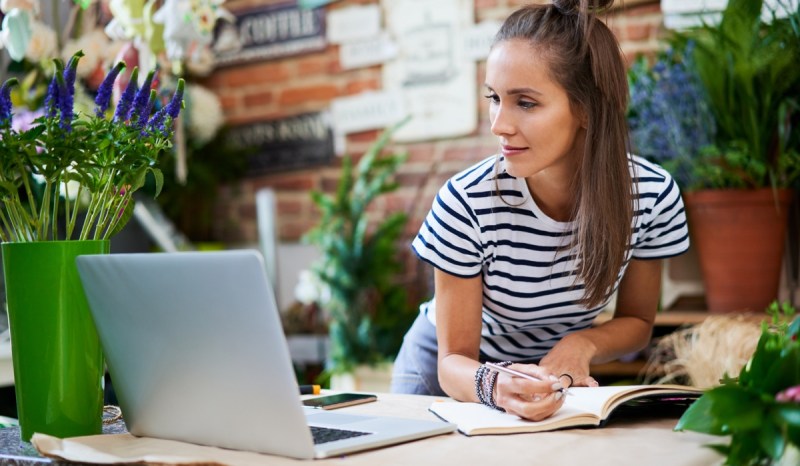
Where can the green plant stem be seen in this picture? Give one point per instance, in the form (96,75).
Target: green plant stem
(6,227)
(67,207)
(94,208)
(44,210)
(118,208)
(104,205)
(54,210)
(72,216)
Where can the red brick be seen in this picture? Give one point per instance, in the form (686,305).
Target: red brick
(286,207)
(645,8)
(255,74)
(259,98)
(355,87)
(300,95)
(399,201)
(411,179)
(363,136)
(420,153)
(638,31)
(292,231)
(468,153)
(229,102)
(316,64)
(292,182)
(329,184)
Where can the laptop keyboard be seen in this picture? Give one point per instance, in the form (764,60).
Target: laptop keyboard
(325,434)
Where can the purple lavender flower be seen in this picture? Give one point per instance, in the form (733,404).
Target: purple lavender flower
(126,101)
(72,70)
(51,98)
(141,99)
(158,124)
(176,103)
(669,116)
(5,100)
(66,92)
(103,99)
(144,115)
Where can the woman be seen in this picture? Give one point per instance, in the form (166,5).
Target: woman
(529,245)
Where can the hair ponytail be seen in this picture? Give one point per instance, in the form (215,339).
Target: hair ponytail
(585,59)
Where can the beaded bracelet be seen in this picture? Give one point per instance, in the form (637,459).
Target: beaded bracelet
(484,386)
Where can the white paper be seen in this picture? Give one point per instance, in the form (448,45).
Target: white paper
(431,71)
(368,110)
(353,23)
(367,52)
(478,39)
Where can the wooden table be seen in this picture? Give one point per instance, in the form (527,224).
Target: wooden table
(622,442)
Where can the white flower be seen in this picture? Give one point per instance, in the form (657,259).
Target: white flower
(307,289)
(201,62)
(203,113)
(43,42)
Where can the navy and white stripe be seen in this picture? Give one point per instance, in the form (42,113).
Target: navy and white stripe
(530,293)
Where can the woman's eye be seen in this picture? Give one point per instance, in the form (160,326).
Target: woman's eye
(526,104)
(493,98)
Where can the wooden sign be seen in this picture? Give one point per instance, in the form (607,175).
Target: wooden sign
(292,143)
(270,32)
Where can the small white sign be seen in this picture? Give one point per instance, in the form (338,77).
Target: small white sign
(478,39)
(353,23)
(368,110)
(367,52)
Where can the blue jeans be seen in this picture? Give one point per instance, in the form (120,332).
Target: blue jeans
(415,368)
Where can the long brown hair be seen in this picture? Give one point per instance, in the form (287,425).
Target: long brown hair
(586,60)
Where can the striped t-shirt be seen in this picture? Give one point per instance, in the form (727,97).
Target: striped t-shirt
(530,300)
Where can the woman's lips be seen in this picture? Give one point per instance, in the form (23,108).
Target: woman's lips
(509,151)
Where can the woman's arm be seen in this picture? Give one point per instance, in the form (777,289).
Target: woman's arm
(458,331)
(629,330)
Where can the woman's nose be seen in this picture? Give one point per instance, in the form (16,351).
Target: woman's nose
(501,123)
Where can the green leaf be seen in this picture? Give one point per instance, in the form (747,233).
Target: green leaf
(771,440)
(722,410)
(788,413)
(699,417)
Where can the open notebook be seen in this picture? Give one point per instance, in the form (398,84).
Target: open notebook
(196,352)
(584,407)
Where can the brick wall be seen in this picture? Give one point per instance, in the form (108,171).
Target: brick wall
(284,87)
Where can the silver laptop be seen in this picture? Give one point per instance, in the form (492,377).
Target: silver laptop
(196,352)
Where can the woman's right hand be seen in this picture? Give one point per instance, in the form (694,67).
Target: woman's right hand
(534,400)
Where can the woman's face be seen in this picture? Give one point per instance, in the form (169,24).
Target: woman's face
(530,113)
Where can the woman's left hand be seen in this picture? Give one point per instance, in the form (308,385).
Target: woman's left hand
(570,358)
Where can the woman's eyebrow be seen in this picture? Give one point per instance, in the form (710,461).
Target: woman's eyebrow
(516,90)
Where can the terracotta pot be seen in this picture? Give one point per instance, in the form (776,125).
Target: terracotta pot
(740,239)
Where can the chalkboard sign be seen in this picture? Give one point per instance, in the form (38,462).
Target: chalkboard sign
(291,143)
(269,32)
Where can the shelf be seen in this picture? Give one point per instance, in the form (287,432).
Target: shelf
(618,368)
(665,318)
(679,318)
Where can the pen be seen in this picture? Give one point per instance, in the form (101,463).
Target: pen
(516,373)
(309,389)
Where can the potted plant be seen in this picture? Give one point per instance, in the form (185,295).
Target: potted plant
(737,182)
(760,409)
(357,273)
(67,163)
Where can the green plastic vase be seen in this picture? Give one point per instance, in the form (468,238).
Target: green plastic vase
(58,360)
